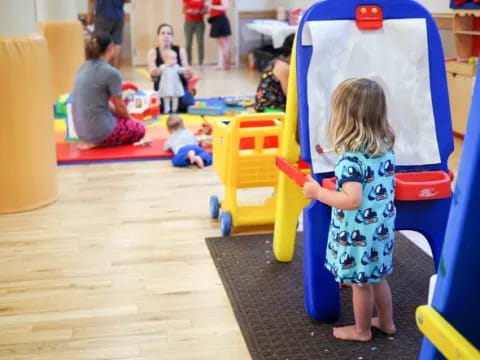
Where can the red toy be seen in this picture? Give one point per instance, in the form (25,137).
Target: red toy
(204,134)
(142,105)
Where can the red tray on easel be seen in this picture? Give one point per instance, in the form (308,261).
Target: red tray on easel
(419,185)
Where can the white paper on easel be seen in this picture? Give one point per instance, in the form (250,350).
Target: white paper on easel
(397,57)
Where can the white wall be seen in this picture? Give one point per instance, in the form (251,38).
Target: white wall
(302,4)
(246,5)
(56,10)
(81,6)
(17,17)
(434,6)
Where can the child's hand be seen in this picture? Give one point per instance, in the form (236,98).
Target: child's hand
(311,188)
(187,72)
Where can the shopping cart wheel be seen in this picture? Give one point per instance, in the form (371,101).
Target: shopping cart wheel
(214,206)
(225,223)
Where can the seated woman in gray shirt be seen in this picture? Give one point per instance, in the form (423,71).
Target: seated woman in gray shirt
(98,122)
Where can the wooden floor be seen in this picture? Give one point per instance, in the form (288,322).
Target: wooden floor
(118,268)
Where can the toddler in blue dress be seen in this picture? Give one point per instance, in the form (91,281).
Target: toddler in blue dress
(360,241)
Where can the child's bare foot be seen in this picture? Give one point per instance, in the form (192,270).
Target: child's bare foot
(350,333)
(387,329)
(191,156)
(86,146)
(199,161)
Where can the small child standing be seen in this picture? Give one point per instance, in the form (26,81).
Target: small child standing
(170,88)
(184,145)
(360,241)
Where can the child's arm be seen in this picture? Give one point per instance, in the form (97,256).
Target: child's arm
(348,199)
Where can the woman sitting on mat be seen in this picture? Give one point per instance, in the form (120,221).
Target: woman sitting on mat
(97,121)
(156,57)
(273,87)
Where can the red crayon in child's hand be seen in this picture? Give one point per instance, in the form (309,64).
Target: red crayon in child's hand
(291,171)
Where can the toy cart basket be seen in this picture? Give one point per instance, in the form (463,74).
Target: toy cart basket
(244,152)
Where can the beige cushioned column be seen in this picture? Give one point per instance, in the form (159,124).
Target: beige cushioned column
(66,49)
(27,145)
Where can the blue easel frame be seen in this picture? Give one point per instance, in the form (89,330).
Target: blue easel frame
(457,289)
(427,217)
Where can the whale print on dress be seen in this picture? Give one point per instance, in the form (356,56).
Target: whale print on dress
(378,193)
(360,241)
(369,175)
(389,210)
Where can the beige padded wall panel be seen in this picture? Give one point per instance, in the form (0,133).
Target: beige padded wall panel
(66,49)
(27,144)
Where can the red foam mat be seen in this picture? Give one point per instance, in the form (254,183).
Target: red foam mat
(68,153)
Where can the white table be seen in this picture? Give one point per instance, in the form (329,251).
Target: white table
(277,30)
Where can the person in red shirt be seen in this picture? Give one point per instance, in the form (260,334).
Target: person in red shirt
(220,30)
(194,11)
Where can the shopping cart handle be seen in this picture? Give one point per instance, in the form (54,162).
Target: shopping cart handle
(291,171)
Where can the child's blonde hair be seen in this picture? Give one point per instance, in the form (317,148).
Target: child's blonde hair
(174,122)
(358,120)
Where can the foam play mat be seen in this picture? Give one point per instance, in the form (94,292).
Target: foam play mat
(68,152)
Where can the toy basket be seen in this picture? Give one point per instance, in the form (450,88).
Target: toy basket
(244,152)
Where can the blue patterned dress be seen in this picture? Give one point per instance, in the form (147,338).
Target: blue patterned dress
(360,242)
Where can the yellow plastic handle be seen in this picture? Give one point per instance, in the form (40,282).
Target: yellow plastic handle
(443,335)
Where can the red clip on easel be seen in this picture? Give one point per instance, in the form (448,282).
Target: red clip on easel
(369,17)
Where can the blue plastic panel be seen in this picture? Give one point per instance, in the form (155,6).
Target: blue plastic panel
(457,289)
(427,217)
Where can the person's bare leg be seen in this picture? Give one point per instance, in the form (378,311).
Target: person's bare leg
(220,64)
(199,161)
(362,309)
(227,53)
(382,296)
(174,104)
(117,56)
(166,104)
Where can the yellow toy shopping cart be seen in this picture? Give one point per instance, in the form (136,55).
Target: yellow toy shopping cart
(244,151)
